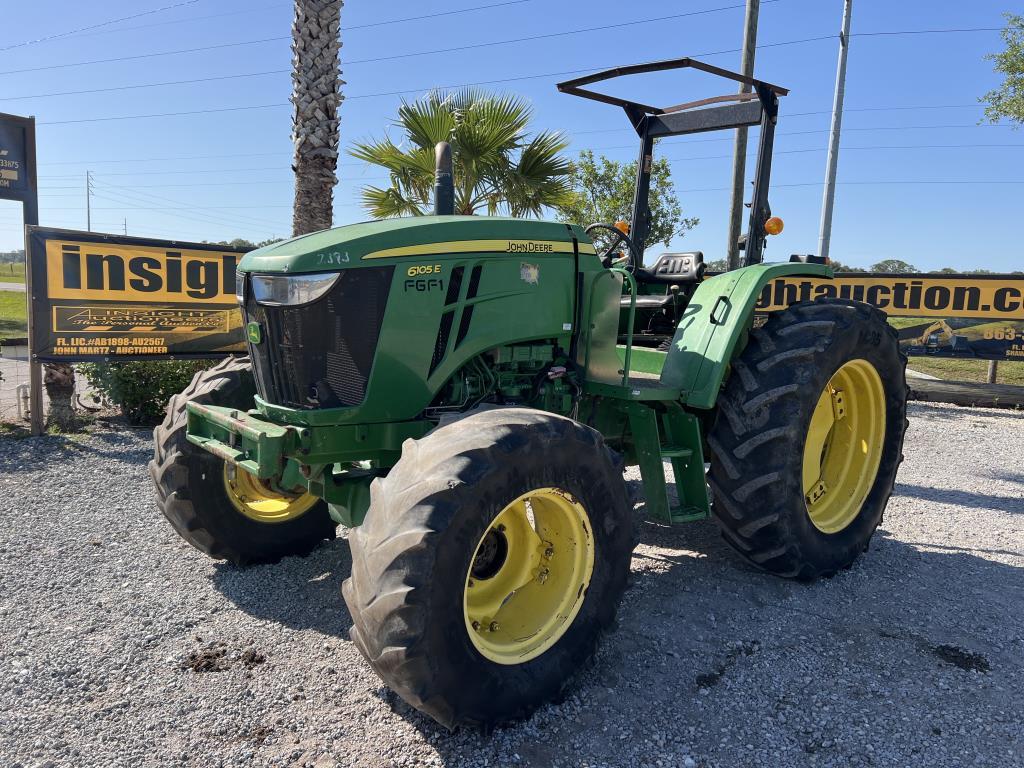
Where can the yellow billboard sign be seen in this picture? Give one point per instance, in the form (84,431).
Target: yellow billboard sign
(978,296)
(97,296)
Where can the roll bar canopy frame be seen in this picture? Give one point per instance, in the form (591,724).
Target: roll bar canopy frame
(759,108)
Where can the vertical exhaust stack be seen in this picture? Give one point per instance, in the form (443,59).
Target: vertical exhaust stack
(444,186)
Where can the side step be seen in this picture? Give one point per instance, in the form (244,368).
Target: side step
(677,438)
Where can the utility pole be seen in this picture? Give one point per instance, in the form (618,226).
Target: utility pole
(827,202)
(739,156)
(88,201)
(126,225)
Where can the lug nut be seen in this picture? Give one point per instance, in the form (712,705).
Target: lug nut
(476,626)
(549,552)
(543,575)
(494,626)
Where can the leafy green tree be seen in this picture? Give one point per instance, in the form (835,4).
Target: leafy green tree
(838,266)
(241,242)
(1007,101)
(602,190)
(496,167)
(893,266)
(945,271)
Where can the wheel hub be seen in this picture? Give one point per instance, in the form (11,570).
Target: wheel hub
(528,576)
(490,555)
(258,501)
(843,446)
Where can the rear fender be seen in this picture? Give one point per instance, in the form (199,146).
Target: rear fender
(716,319)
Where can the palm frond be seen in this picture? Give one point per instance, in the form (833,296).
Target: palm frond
(427,121)
(389,203)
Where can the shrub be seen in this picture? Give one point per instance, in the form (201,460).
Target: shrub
(142,388)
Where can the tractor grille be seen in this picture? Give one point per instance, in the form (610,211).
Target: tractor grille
(319,355)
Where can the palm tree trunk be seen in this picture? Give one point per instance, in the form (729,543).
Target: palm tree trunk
(316,94)
(59,381)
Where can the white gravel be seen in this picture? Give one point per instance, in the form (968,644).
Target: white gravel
(911,658)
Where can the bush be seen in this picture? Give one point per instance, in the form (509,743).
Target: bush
(142,388)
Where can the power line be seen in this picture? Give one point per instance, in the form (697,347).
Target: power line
(136,57)
(884,182)
(192,19)
(100,24)
(148,197)
(161,114)
(186,20)
(825,130)
(220,46)
(146,85)
(192,213)
(396,92)
(168,159)
(361,164)
(885,33)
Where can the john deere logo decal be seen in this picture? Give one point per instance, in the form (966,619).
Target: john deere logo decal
(254,333)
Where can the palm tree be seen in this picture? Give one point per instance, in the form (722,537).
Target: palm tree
(316,94)
(496,167)
(59,381)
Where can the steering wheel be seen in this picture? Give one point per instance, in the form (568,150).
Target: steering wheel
(620,237)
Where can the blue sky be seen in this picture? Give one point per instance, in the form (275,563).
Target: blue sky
(912,112)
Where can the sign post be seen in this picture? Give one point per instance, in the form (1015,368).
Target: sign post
(18,182)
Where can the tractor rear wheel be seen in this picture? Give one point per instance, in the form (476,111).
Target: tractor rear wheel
(808,437)
(493,557)
(229,515)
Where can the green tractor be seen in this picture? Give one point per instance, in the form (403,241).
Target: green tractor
(463,393)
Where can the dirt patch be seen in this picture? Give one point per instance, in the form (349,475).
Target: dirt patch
(958,657)
(251,657)
(215,657)
(260,734)
(735,652)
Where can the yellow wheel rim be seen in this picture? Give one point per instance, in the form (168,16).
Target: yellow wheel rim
(260,502)
(844,446)
(529,576)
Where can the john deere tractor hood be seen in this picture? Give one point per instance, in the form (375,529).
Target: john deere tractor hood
(366,244)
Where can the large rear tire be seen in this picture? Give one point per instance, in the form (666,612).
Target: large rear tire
(492,558)
(808,437)
(228,515)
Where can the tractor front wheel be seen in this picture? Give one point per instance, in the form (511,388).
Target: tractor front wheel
(221,510)
(492,558)
(808,437)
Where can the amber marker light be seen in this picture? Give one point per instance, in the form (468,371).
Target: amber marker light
(773,226)
(622,226)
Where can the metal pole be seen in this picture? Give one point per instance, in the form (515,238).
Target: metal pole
(833,143)
(993,367)
(88,201)
(739,154)
(31,218)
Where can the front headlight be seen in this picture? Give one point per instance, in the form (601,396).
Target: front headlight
(291,289)
(240,288)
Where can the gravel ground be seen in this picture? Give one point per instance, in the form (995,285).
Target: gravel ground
(122,646)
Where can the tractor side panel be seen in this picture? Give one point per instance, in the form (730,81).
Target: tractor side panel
(445,311)
(603,291)
(716,319)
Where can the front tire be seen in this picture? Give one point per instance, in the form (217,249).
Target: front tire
(228,516)
(493,556)
(808,436)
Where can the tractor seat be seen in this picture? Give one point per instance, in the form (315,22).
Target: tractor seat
(674,269)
